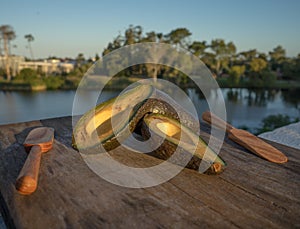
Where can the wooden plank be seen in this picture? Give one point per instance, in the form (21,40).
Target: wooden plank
(251,192)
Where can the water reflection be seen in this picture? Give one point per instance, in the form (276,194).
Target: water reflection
(233,95)
(254,97)
(244,107)
(292,97)
(247,107)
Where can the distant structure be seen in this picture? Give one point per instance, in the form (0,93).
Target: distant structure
(47,66)
(51,66)
(14,63)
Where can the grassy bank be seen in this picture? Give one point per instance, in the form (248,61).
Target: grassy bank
(278,84)
(16,86)
(119,83)
(68,83)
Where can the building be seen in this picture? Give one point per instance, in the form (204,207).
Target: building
(51,66)
(14,63)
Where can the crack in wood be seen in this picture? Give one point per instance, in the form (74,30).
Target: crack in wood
(255,195)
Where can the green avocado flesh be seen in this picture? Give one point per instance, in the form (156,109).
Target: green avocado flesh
(178,137)
(153,114)
(95,126)
(125,112)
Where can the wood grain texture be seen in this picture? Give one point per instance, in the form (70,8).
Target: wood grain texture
(257,146)
(246,139)
(38,141)
(28,177)
(41,136)
(251,193)
(211,118)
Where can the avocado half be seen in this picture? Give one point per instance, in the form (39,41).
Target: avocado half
(95,127)
(174,136)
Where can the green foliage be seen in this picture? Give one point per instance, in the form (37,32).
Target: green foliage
(71,82)
(277,54)
(258,69)
(222,55)
(80,70)
(268,78)
(26,75)
(2,72)
(272,122)
(54,82)
(178,36)
(235,74)
(291,69)
(258,64)
(277,57)
(198,48)
(36,82)
(248,55)
(263,78)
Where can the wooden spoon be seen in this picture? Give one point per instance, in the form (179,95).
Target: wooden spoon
(38,141)
(246,139)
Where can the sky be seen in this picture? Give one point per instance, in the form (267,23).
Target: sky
(66,28)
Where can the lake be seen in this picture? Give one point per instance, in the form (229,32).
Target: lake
(244,107)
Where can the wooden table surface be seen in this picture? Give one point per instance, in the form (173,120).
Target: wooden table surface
(251,193)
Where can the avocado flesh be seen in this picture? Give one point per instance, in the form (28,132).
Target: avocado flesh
(94,127)
(160,127)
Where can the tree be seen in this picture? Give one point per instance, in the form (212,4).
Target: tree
(198,48)
(248,55)
(117,43)
(7,34)
(150,37)
(235,74)
(133,35)
(178,37)
(30,39)
(210,60)
(223,54)
(80,59)
(272,122)
(26,75)
(278,54)
(277,57)
(259,74)
(291,68)
(258,64)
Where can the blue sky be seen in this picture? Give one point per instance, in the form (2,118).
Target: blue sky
(66,28)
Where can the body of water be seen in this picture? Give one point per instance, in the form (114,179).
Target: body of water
(244,107)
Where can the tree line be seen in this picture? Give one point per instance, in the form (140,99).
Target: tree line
(7,34)
(254,67)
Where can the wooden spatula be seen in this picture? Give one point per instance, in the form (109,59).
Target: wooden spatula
(247,140)
(38,141)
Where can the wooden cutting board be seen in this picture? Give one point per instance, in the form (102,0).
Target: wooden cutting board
(250,193)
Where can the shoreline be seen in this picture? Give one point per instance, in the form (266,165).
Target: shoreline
(42,87)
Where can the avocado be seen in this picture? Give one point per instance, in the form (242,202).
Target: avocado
(190,147)
(127,110)
(94,127)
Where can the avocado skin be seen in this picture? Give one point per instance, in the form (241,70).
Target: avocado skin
(151,105)
(176,111)
(167,149)
(157,102)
